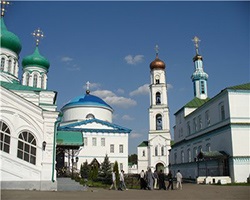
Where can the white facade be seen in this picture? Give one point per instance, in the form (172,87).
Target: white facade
(154,152)
(222,126)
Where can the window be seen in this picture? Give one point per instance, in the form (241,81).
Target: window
(9,65)
(175,157)
(156,151)
(26,149)
(103,142)
(199,122)
(202,87)
(195,153)
(42,82)
(27,79)
(5,137)
(94,141)
(121,148)
(90,116)
(208,147)
(207,118)
(2,63)
(158,98)
(112,148)
(222,111)
(189,155)
(14,68)
(162,151)
(157,79)
(35,80)
(143,153)
(182,157)
(199,149)
(121,166)
(194,125)
(188,128)
(158,122)
(85,141)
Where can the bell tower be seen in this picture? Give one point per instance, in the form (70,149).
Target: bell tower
(159,125)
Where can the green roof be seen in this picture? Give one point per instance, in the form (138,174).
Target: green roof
(143,144)
(18,86)
(196,102)
(245,86)
(69,138)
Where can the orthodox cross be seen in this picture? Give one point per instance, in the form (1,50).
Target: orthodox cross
(87,87)
(4,4)
(38,35)
(196,41)
(157,50)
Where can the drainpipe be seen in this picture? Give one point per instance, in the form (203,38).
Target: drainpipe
(54,150)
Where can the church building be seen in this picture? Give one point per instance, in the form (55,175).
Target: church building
(27,116)
(211,136)
(153,153)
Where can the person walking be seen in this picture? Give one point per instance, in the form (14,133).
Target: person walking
(162,180)
(170,181)
(113,181)
(122,181)
(179,180)
(150,179)
(156,178)
(142,180)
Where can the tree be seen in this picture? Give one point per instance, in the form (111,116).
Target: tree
(84,170)
(116,172)
(132,158)
(105,171)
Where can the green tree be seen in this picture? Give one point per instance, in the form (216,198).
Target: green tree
(132,158)
(84,170)
(105,171)
(116,172)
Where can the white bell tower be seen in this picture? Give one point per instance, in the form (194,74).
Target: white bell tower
(159,126)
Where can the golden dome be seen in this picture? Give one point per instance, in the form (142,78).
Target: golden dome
(157,64)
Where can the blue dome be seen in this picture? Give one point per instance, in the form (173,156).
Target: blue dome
(87,100)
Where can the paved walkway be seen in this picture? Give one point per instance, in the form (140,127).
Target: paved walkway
(190,191)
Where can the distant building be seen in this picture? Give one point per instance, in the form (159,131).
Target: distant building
(154,152)
(89,117)
(211,136)
(27,117)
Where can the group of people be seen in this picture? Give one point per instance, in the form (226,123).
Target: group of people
(149,180)
(122,185)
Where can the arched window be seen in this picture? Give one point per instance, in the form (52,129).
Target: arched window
(156,151)
(5,137)
(35,80)
(143,153)
(189,155)
(26,149)
(90,116)
(158,98)
(42,82)
(9,66)
(27,79)
(158,122)
(182,157)
(2,63)
(14,68)
(162,150)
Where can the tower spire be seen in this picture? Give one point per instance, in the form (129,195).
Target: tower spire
(157,50)
(38,35)
(4,4)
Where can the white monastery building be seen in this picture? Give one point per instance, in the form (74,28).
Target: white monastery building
(211,136)
(154,152)
(27,117)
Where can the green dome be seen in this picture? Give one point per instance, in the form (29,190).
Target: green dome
(9,40)
(35,60)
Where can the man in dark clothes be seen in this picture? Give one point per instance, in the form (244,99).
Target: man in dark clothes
(161,180)
(170,181)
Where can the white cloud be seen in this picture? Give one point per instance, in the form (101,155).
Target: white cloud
(141,90)
(73,68)
(127,117)
(120,91)
(66,59)
(169,86)
(134,60)
(92,86)
(135,135)
(114,100)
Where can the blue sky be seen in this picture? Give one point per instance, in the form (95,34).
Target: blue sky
(111,44)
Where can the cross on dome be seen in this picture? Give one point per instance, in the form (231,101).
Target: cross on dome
(87,87)
(3,7)
(157,50)
(196,41)
(38,35)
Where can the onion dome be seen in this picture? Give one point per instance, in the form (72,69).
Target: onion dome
(87,100)
(9,40)
(157,64)
(36,59)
